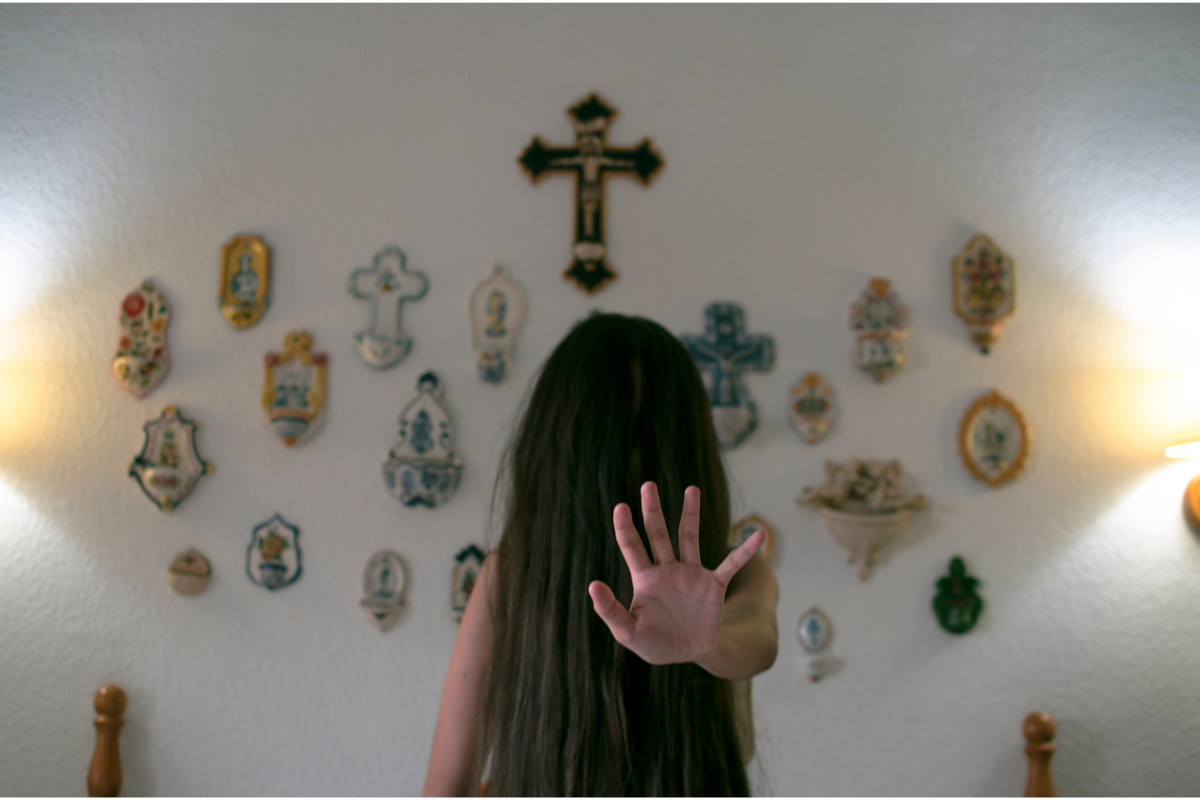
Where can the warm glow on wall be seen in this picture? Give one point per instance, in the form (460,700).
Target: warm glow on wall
(1186,441)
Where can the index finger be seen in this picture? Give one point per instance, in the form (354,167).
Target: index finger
(628,539)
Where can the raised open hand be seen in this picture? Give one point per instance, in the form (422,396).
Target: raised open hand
(675,616)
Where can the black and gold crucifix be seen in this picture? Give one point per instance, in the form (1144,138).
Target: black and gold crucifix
(590,161)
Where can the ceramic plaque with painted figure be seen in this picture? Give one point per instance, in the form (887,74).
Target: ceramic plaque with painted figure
(746,527)
(294,388)
(273,557)
(169,466)
(467,566)
(814,632)
(383,589)
(881,323)
(812,408)
(424,466)
(993,439)
(387,284)
(142,360)
(497,306)
(984,290)
(245,280)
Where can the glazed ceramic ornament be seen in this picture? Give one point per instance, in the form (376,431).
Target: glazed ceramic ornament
(746,527)
(812,409)
(383,589)
(467,566)
(294,388)
(142,360)
(497,306)
(814,632)
(880,321)
(424,467)
(169,466)
(273,557)
(993,439)
(984,290)
(387,284)
(189,573)
(956,605)
(722,354)
(245,280)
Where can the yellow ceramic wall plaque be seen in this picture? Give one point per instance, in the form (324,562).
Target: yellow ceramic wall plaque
(294,388)
(245,280)
(993,439)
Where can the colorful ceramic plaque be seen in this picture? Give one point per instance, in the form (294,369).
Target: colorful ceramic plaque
(746,527)
(245,280)
(424,466)
(956,605)
(590,161)
(387,284)
(169,466)
(812,409)
(189,573)
(497,306)
(881,323)
(722,354)
(294,388)
(273,557)
(467,565)
(383,589)
(814,632)
(984,290)
(993,439)
(142,360)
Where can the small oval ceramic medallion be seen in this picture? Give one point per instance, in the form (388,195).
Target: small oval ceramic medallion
(169,466)
(467,565)
(812,409)
(424,467)
(142,360)
(880,321)
(383,587)
(294,387)
(746,527)
(497,306)
(189,573)
(814,632)
(273,557)
(245,280)
(993,439)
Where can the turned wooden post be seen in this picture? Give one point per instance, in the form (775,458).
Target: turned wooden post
(1039,732)
(104,777)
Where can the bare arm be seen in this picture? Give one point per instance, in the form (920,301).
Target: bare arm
(455,764)
(749,639)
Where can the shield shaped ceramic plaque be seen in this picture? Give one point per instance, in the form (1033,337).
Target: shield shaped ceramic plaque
(245,280)
(812,409)
(467,566)
(273,557)
(383,589)
(880,321)
(745,527)
(423,468)
(294,388)
(993,439)
(169,466)
(984,290)
(497,306)
(142,360)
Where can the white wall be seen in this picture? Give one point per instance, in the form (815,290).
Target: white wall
(807,149)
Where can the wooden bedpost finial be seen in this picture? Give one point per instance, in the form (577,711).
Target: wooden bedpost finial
(1039,735)
(104,776)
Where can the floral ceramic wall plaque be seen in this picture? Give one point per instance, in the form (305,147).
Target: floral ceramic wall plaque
(993,439)
(814,632)
(812,409)
(387,284)
(880,321)
(273,557)
(189,573)
(497,306)
(169,466)
(746,527)
(956,605)
(590,161)
(424,466)
(142,360)
(245,280)
(722,354)
(383,589)
(984,290)
(467,565)
(294,388)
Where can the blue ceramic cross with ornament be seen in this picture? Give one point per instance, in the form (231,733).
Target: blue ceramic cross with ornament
(722,354)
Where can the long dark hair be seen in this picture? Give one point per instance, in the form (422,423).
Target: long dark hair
(567,710)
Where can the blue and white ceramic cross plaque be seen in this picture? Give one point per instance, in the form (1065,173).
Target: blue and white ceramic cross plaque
(386,284)
(273,557)
(423,467)
(722,354)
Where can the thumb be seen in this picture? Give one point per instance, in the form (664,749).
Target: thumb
(614,615)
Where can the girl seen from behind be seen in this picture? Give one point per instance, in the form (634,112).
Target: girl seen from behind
(615,499)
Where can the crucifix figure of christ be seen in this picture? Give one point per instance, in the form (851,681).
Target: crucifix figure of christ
(722,353)
(590,160)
